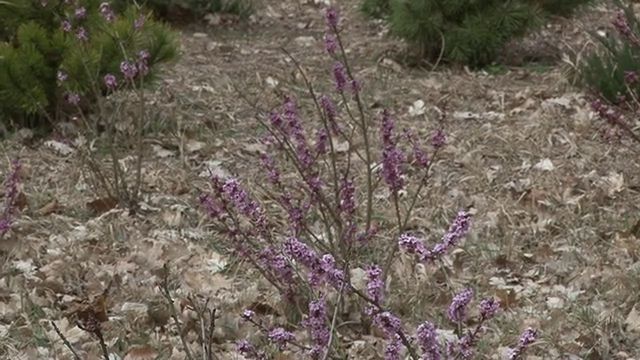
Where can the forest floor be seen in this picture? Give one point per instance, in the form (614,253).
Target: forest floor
(554,204)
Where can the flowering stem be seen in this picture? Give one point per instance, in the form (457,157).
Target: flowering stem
(403,338)
(289,149)
(364,128)
(325,125)
(394,244)
(423,182)
(473,335)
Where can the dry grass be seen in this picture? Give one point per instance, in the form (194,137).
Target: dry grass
(554,204)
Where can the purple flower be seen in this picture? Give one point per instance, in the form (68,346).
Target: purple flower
(315,184)
(244,346)
(489,307)
(392,157)
(248,351)
(248,315)
(332,18)
(393,349)
(412,245)
(388,323)
(291,125)
(110,82)
(391,160)
(366,236)
(107,12)
(143,62)
(240,198)
(458,308)
(347,198)
(11,192)
(66,26)
(321,141)
(280,337)
(421,159)
(278,264)
(276,121)
(82,34)
(143,68)
(296,213)
(330,43)
(330,112)
(465,346)
(438,139)
(62,76)
(526,338)
(144,55)
(621,24)
(72,98)
(605,112)
(273,175)
(139,22)
(428,341)
(300,252)
(128,69)
(321,270)
(630,77)
(331,273)
(81,13)
(458,229)
(355,86)
(340,76)
(375,286)
(316,323)
(210,205)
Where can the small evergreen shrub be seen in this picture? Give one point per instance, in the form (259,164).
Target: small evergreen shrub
(176,10)
(464,31)
(610,71)
(55,55)
(376,8)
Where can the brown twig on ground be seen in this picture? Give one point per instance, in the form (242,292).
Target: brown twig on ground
(164,287)
(92,325)
(65,341)
(207,320)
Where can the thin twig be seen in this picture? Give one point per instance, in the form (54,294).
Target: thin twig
(333,324)
(103,344)
(65,341)
(164,287)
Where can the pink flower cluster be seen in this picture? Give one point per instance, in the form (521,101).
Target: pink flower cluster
(458,229)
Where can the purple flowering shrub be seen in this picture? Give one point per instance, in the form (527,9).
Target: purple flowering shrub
(323,228)
(8,210)
(67,54)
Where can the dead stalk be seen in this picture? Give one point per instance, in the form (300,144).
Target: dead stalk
(65,341)
(166,293)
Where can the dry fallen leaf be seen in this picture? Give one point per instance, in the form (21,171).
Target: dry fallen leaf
(49,208)
(417,108)
(508,298)
(100,206)
(614,183)
(58,147)
(144,352)
(544,165)
(633,320)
